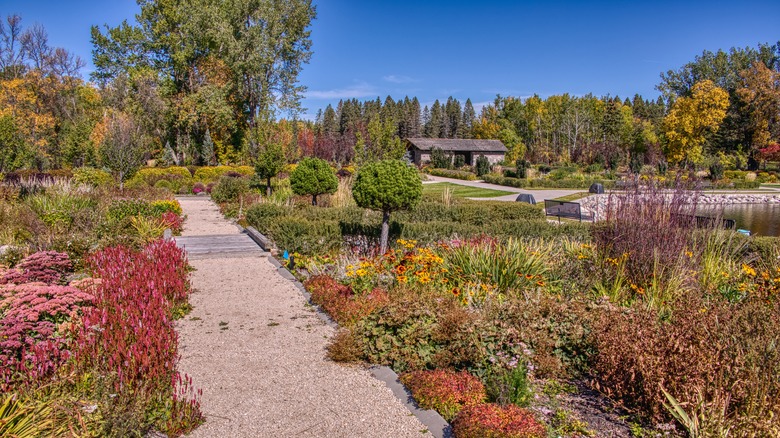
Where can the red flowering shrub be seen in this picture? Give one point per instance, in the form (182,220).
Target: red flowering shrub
(172,221)
(494,421)
(446,392)
(34,328)
(340,302)
(129,334)
(48,267)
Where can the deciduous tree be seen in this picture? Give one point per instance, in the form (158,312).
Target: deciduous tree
(692,119)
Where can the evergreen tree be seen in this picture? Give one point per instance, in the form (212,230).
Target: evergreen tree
(454,118)
(330,124)
(426,122)
(434,127)
(313,176)
(207,150)
(469,117)
(269,163)
(387,186)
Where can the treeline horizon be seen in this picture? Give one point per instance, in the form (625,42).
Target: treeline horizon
(215,94)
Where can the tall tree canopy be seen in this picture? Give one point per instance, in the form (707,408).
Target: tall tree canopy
(224,67)
(692,120)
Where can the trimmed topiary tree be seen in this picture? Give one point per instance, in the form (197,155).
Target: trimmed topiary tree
(269,163)
(387,186)
(313,176)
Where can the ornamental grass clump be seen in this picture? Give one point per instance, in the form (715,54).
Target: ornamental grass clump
(446,392)
(485,268)
(652,233)
(495,421)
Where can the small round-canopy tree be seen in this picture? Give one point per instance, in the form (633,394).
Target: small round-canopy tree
(387,186)
(269,163)
(313,176)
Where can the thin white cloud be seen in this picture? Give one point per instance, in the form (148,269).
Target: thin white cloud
(479,105)
(356,91)
(399,79)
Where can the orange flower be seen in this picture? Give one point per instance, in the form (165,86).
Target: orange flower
(402,279)
(540,283)
(400,269)
(528,276)
(455,291)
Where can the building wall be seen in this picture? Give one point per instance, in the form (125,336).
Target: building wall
(421,157)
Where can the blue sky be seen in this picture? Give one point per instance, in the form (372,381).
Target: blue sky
(477,49)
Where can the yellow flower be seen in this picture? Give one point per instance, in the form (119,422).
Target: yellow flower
(402,279)
(361,272)
(748,270)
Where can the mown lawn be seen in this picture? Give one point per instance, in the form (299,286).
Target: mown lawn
(459,191)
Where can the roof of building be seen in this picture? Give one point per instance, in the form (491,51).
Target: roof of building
(457,144)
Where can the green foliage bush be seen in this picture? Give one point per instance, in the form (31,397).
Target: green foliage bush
(440,159)
(209,174)
(565,183)
(229,189)
(301,235)
(313,176)
(482,166)
(92,177)
(457,174)
(428,222)
(121,209)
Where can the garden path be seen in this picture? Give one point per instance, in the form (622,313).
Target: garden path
(257,350)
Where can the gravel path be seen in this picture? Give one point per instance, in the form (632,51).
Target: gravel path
(258,353)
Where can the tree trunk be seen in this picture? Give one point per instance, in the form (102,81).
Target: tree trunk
(385,231)
(268,188)
(314,200)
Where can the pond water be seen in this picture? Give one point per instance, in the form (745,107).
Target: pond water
(760,219)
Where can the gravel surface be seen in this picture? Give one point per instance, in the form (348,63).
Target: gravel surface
(258,353)
(204,218)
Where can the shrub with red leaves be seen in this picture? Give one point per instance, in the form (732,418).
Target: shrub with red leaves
(172,221)
(48,267)
(340,302)
(34,331)
(494,421)
(446,392)
(130,334)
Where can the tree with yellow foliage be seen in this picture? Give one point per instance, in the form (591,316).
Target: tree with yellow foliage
(692,120)
(760,93)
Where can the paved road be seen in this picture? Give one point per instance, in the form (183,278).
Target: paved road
(539,194)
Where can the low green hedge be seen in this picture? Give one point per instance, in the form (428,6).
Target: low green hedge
(449,173)
(309,229)
(565,183)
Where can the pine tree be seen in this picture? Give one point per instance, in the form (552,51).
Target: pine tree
(434,127)
(330,122)
(469,117)
(426,122)
(207,150)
